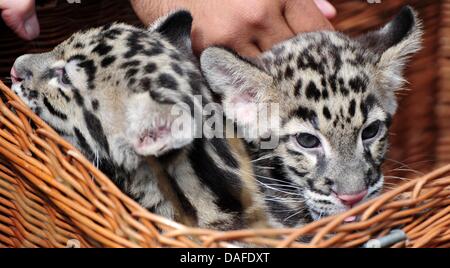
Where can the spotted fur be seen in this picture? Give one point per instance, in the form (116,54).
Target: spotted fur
(111,90)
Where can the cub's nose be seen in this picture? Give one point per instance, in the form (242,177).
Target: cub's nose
(21,69)
(351,199)
(15,78)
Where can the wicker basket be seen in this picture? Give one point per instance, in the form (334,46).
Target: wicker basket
(51,196)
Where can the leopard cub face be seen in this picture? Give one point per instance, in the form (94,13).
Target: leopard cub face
(336,99)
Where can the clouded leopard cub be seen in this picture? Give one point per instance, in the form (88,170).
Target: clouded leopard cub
(112,90)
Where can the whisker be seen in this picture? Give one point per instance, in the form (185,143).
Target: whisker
(409,170)
(278,190)
(396,177)
(277,180)
(263,167)
(265,185)
(264,157)
(275,184)
(296,213)
(281,200)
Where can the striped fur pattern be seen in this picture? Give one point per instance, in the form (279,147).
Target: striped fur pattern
(110,91)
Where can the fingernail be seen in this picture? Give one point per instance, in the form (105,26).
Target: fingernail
(327,9)
(31,26)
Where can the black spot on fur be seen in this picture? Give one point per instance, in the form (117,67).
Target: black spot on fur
(132,63)
(357,84)
(305,114)
(78,98)
(167,81)
(90,70)
(332,83)
(222,149)
(325,94)
(95,129)
(224,184)
(343,89)
(313,188)
(298,87)
(335,122)
(323,82)
(150,68)
(61,92)
(130,73)
(112,33)
(134,43)
(53,111)
(326,113)
(352,108)
(77,57)
(146,83)
(306,60)
(83,143)
(108,60)
(131,82)
(79,45)
(366,105)
(95,104)
(102,49)
(288,73)
(33,94)
(195,82)
(176,68)
(312,92)
(153,51)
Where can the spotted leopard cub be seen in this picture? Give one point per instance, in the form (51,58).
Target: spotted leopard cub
(337,99)
(111,91)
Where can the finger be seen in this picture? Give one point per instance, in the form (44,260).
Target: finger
(277,32)
(327,9)
(242,45)
(250,50)
(305,16)
(21,17)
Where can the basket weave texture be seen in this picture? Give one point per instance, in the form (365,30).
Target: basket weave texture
(51,196)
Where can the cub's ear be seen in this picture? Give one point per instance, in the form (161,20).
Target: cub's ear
(176,27)
(395,43)
(245,89)
(154,128)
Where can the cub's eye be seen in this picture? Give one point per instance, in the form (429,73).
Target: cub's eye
(63,78)
(308,141)
(371,131)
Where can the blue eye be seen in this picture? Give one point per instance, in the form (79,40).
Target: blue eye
(308,141)
(371,131)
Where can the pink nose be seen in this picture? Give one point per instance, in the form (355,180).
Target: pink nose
(351,199)
(14,76)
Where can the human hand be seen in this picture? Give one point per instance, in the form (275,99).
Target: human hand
(20,16)
(249,27)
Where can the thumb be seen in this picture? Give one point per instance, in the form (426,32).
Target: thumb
(20,16)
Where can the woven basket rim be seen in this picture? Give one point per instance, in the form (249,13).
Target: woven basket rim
(139,227)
